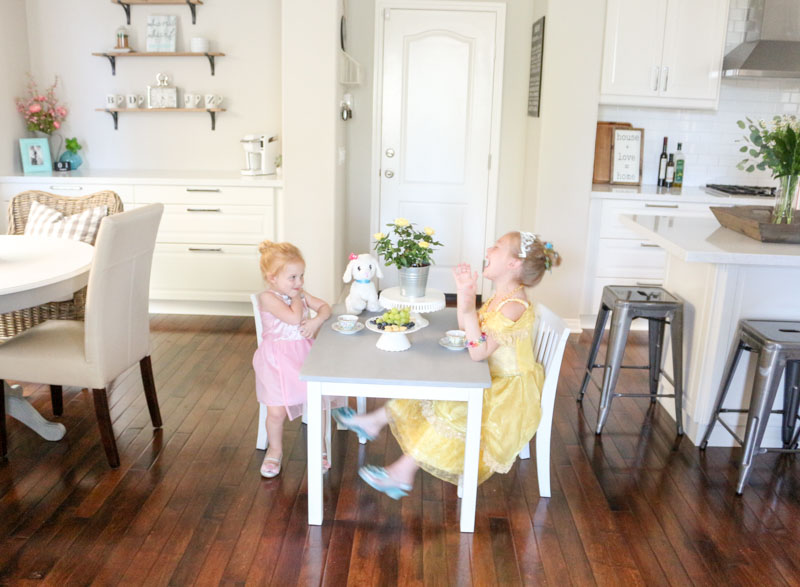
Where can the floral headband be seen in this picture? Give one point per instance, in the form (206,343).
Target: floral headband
(526,241)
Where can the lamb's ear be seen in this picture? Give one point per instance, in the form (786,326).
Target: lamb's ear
(348,273)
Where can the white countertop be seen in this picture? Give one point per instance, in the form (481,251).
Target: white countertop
(703,240)
(148,176)
(653,193)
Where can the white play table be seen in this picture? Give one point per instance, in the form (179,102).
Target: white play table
(352,366)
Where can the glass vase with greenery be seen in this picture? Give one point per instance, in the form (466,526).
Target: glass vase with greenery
(775,146)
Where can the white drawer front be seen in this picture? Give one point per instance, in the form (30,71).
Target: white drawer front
(9,190)
(192,223)
(636,259)
(224,273)
(197,194)
(601,282)
(612,227)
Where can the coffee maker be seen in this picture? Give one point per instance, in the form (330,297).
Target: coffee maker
(259,154)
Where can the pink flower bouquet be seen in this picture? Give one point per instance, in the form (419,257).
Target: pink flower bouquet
(41,110)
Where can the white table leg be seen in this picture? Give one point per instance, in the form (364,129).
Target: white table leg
(20,409)
(314,434)
(471,454)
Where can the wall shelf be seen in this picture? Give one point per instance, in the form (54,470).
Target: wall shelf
(114,112)
(126,6)
(112,56)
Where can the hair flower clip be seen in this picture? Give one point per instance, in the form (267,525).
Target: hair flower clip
(352,257)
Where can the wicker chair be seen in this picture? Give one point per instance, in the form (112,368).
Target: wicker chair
(14,323)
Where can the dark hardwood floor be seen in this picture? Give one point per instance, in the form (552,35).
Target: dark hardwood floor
(188,506)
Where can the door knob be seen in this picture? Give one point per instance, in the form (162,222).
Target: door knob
(389,173)
(390,153)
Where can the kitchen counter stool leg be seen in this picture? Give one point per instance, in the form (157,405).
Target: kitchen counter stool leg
(597,337)
(791,400)
(730,369)
(617,339)
(655,335)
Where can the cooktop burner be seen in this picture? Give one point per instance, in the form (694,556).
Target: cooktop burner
(758,191)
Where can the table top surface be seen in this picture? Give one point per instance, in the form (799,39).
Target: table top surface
(29,262)
(704,240)
(354,358)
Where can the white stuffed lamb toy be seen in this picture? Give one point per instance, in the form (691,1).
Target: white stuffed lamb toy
(362,268)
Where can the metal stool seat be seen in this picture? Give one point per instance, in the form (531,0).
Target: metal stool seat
(778,346)
(626,303)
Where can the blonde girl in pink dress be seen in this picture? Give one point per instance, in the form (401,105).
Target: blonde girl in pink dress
(288,332)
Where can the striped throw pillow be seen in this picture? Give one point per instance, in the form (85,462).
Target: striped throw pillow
(45,221)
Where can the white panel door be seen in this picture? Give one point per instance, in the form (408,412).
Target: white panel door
(693,47)
(632,47)
(438,79)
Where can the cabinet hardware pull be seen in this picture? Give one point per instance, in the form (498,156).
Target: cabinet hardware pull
(645,284)
(215,190)
(206,249)
(75,188)
(666,78)
(661,205)
(648,245)
(204,209)
(656,75)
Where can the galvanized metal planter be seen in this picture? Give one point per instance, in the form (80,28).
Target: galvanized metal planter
(413,281)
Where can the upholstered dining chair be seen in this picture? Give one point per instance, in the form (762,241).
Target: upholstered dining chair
(13,323)
(115,334)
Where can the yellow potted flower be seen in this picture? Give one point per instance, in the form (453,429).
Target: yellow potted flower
(410,250)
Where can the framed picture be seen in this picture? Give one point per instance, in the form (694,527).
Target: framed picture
(627,145)
(535,79)
(35,155)
(162,32)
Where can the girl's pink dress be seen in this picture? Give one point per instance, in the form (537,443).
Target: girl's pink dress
(277,362)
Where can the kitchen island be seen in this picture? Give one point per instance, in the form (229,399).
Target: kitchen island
(722,277)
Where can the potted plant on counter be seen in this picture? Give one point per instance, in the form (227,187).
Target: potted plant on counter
(411,251)
(775,146)
(71,153)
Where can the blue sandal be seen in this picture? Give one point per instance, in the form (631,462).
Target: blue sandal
(379,480)
(344,417)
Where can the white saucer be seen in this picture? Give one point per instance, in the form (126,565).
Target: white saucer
(358,328)
(448,346)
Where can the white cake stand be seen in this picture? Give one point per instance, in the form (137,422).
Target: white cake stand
(396,341)
(432,301)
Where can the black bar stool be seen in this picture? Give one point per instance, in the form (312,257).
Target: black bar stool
(778,346)
(626,303)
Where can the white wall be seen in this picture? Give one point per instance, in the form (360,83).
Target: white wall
(13,65)
(360,15)
(561,144)
(313,180)
(62,41)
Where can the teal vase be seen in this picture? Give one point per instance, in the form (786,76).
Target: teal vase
(74,159)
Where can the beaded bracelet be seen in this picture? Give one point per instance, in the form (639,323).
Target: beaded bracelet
(478,342)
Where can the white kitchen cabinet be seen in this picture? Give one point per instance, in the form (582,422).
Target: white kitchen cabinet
(663,52)
(206,255)
(618,255)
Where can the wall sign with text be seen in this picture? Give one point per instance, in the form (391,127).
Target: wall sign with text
(626,155)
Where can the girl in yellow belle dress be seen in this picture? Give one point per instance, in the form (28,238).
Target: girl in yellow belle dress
(431,433)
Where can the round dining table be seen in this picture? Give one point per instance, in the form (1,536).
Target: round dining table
(33,271)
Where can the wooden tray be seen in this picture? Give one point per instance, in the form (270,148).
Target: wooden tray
(602,150)
(754,221)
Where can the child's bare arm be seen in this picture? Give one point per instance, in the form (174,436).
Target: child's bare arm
(310,327)
(277,307)
(512,311)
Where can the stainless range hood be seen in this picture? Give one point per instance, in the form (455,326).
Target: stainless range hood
(772,47)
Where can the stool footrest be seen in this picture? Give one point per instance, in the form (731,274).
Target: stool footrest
(623,367)
(643,395)
(782,450)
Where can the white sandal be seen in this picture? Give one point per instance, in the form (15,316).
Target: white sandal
(268,469)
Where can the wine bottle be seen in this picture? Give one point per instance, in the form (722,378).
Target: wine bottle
(679,165)
(662,165)
(670,176)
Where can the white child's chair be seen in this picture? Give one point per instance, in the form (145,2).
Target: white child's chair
(549,339)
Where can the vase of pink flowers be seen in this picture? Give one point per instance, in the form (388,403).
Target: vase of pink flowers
(41,110)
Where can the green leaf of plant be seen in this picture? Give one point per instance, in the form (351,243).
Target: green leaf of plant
(740,123)
(743,149)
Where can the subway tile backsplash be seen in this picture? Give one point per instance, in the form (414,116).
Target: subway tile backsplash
(710,138)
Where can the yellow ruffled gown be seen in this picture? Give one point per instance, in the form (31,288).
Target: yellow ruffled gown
(433,432)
